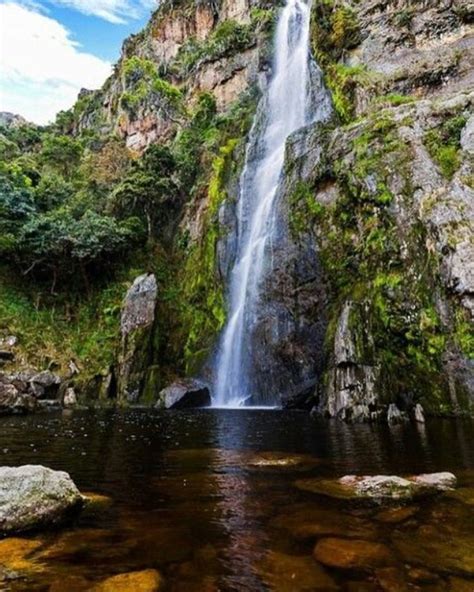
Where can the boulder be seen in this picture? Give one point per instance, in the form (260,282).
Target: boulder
(13,402)
(33,496)
(45,384)
(352,554)
(148,580)
(288,573)
(183,394)
(381,488)
(137,329)
(70,398)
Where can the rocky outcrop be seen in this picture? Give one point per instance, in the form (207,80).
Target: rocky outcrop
(13,402)
(184,394)
(214,47)
(137,333)
(392,214)
(381,489)
(33,497)
(28,390)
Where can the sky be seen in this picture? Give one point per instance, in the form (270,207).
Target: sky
(50,49)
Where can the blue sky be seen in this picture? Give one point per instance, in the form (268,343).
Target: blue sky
(50,49)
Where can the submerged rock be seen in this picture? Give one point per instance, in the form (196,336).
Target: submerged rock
(381,488)
(14,554)
(308,521)
(33,496)
(148,580)
(352,554)
(437,550)
(183,394)
(287,573)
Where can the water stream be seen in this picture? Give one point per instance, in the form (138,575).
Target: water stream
(294,98)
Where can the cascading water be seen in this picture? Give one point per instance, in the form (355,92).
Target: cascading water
(294,98)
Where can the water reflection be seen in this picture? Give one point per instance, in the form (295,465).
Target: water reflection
(209,498)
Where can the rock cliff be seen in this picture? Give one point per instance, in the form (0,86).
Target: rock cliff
(370,303)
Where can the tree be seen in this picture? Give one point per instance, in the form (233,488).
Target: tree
(62,154)
(60,245)
(149,190)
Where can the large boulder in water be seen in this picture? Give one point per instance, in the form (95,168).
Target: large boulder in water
(381,488)
(184,394)
(33,496)
(137,329)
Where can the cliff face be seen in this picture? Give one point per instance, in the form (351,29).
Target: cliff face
(370,300)
(187,48)
(394,216)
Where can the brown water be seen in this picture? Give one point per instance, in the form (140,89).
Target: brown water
(210,498)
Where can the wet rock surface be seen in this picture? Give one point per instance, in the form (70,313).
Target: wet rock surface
(184,394)
(148,580)
(352,554)
(26,391)
(287,573)
(381,488)
(34,497)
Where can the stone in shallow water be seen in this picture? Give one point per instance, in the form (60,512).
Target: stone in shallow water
(70,584)
(464,495)
(391,579)
(396,515)
(380,488)
(33,496)
(306,521)
(246,459)
(288,573)
(437,550)
(95,501)
(184,394)
(148,580)
(14,553)
(352,554)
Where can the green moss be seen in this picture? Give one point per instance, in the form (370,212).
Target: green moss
(464,333)
(228,37)
(370,261)
(443,144)
(202,298)
(142,83)
(334,29)
(304,209)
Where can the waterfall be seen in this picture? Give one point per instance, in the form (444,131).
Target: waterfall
(294,98)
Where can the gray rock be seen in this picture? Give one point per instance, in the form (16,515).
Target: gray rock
(391,487)
(467,136)
(137,327)
(419,413)
(13,402)
(394,415)
(33,497)
(139,306)
(45,384)
(185,394)
(70,398)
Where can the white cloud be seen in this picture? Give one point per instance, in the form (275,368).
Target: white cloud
(42,68)
(114,11)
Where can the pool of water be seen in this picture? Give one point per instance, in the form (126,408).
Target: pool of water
(213,500)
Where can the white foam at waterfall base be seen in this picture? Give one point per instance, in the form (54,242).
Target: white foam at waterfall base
(286,106)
